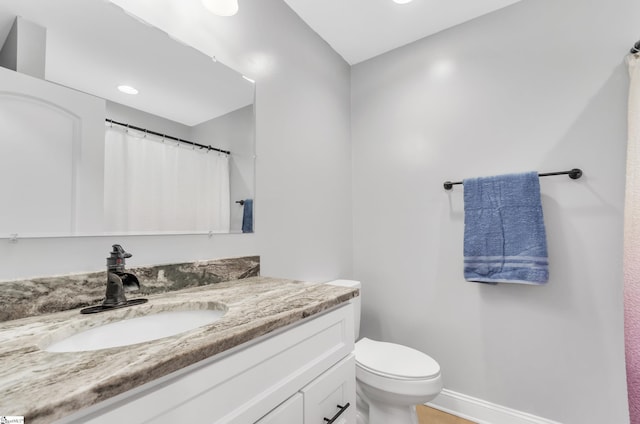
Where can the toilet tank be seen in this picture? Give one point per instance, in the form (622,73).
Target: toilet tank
(356,300)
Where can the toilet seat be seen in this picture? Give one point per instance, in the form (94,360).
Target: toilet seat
(396,370)
(395,361)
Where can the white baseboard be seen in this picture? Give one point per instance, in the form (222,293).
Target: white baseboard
(482,412)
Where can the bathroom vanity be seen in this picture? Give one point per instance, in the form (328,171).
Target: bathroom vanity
(281,353)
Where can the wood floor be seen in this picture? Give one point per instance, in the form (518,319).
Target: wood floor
(428,415)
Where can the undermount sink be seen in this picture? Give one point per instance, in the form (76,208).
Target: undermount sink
(136,330)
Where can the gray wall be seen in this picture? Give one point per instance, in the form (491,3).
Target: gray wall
(540,85)
(303,209)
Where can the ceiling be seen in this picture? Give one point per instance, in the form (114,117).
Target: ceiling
(84,52)
(361,29)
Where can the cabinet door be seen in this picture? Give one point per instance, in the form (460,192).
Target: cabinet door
(328,395)
(289,412)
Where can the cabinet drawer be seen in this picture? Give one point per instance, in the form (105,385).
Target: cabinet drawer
(325,396)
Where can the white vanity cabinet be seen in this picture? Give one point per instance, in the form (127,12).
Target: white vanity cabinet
(298,375)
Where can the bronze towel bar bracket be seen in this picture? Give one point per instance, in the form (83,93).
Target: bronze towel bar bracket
(574,174)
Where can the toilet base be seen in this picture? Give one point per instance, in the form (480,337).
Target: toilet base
(382,413)
(385,414)
(362,410)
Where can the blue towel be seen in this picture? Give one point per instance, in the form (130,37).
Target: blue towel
(504,235)
(247,216)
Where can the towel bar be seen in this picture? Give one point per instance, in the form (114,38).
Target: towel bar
(574,174)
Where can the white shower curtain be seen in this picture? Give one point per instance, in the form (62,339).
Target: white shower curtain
(155,186)
(632,243)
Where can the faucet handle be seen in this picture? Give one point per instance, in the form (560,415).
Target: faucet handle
(116,261)
(119,251)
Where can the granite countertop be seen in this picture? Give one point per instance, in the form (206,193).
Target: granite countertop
(44,386)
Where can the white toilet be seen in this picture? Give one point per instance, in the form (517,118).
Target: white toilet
(391,379)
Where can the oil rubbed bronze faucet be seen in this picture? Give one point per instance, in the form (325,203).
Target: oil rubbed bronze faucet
(118,281)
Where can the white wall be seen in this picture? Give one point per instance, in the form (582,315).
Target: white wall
(50,162)
(24,48)
(128,115)
(303,171)
(540,85)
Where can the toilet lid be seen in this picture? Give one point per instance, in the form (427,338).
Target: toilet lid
(395,360)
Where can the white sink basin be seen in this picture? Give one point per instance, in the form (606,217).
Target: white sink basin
(136,330)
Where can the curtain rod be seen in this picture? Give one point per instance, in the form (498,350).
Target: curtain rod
(181,140)
(635,49)
(574,174)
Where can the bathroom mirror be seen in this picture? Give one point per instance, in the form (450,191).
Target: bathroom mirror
(61,64)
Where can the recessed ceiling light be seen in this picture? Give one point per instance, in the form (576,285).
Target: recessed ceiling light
(402,1)
(127,89)
(221,7)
